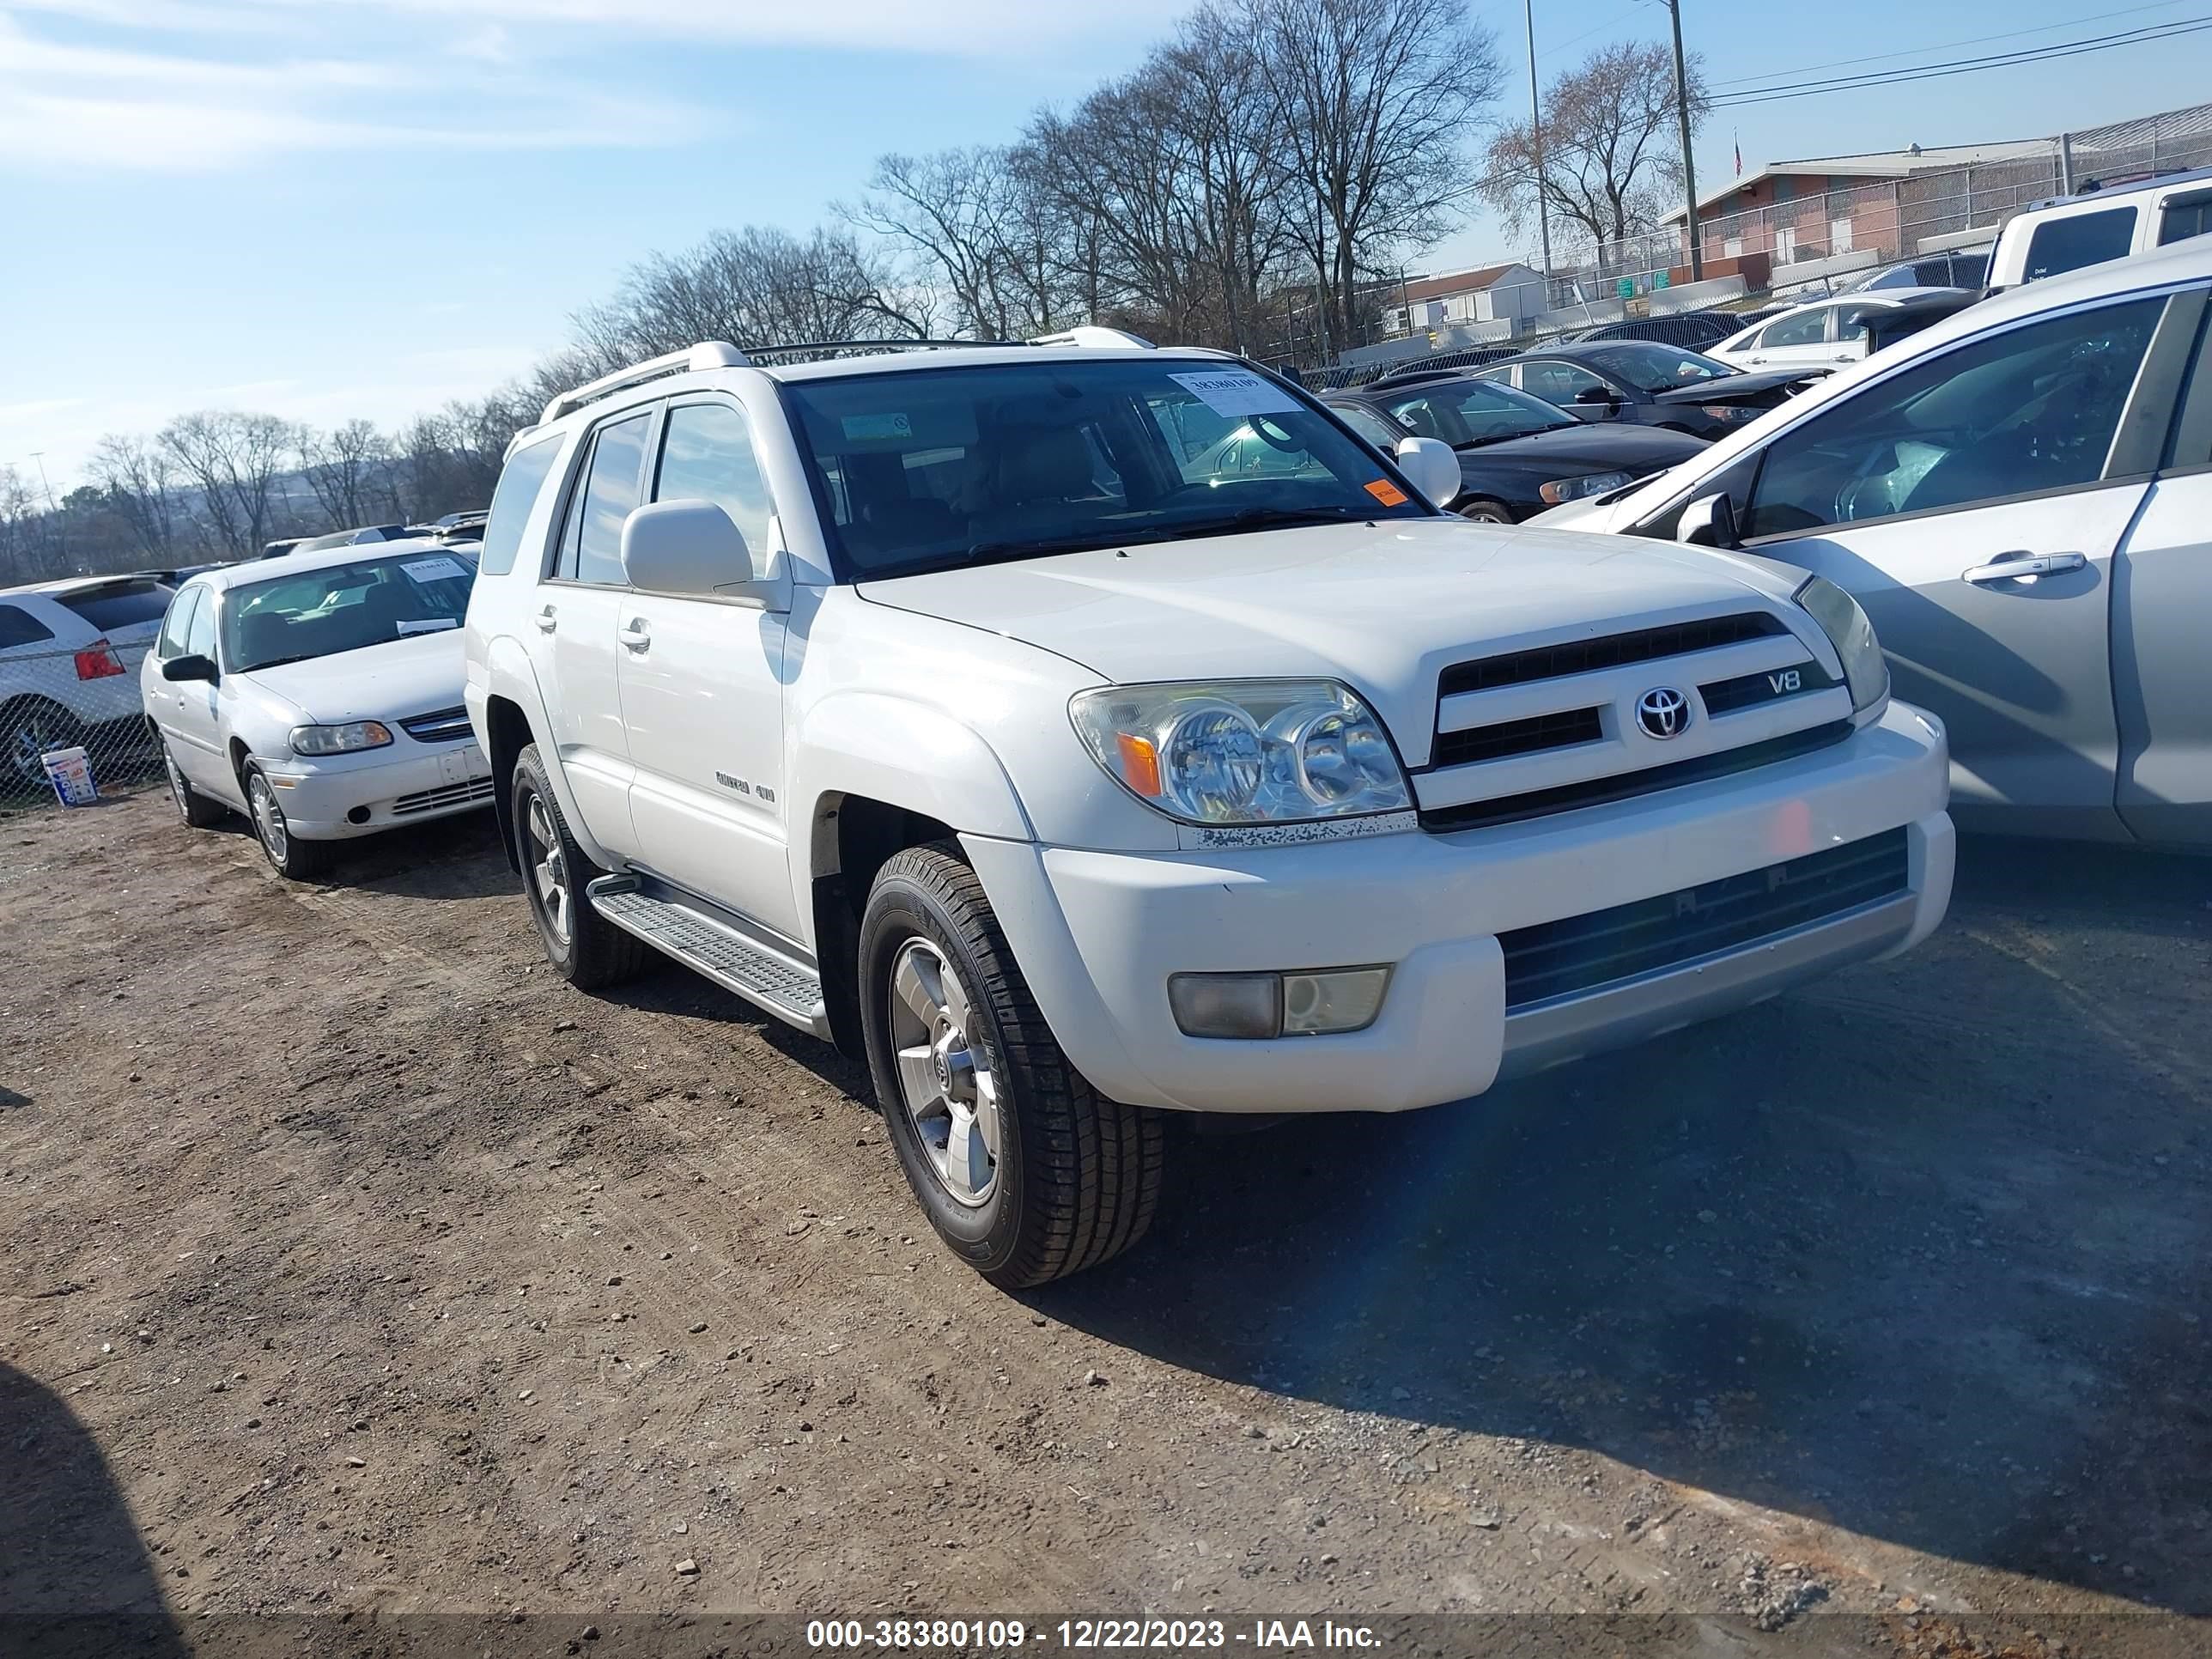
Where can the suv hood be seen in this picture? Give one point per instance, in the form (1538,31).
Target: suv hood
(1383,607)
(415,674)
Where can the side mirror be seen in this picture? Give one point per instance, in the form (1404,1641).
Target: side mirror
(191,667)
(1709,521)
(1595,394)
(693,549)
(1432,467)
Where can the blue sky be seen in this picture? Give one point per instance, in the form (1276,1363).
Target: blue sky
(330,207)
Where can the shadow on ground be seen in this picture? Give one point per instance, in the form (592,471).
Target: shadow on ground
(75,1581)
(1921,1252)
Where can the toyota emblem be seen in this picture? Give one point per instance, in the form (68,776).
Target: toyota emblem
(1663,711)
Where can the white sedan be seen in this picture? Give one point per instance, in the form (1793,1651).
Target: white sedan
(320,694)
(1825,334)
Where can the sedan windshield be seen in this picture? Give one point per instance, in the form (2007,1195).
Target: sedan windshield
(345,607)
(1653,368)
(925,468)
(1468,414)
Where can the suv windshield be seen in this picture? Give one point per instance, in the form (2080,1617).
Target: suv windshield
(927,469)
(1651,367)
(1468,414)
(345,607)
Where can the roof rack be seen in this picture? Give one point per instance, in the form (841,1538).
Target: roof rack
(707,354)
(1095,337)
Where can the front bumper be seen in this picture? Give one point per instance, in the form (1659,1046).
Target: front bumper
(1097,934)
(342,796)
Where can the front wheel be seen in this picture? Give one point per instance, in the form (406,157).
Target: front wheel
(291,857)
(1023,1168)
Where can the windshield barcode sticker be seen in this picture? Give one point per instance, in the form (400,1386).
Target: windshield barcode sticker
(1237,392)
(435,570)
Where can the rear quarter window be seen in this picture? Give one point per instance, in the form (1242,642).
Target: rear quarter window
(19,627)
(521,481)
(111,607)
(2080,238)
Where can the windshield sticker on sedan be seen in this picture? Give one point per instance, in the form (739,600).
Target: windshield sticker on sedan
(1386,493)
(435,570)
(429,625)
(862,427)
(1235,392)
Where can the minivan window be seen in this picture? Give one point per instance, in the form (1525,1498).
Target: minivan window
(2031,409)
(2078,240)
(520,482)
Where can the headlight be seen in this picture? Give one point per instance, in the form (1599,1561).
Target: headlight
(340,739)
(1244,751)
(1852,634)
(1573,489)
(1731,411)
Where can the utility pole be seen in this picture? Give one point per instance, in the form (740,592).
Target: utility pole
(1689,168)
(1536,149)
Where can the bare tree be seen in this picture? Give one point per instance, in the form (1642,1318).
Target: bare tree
(233,457)
(1610,146)
(136,482)
(345,469)
(1373,101)
(985,227)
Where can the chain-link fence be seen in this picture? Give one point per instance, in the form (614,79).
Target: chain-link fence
(71,725)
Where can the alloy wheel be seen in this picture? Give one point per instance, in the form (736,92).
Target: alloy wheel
(549,868)
(946,1081)
(269,819)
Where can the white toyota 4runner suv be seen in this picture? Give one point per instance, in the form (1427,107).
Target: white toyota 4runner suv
(966,708)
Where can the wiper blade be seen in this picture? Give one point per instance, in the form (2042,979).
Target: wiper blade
(277,662)
(1269,518)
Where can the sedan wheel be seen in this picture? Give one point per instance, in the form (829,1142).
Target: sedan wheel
(268,819)
(946,1081)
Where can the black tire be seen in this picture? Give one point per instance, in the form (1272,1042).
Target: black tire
(194,808)
(287,855)
(1485,512)
(30,727)
(1077,1177)
(585,948)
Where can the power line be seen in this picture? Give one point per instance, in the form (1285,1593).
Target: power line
(1966,66)
(1946,46)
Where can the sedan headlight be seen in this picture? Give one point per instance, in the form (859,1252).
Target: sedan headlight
(1730,412)
(1573,489)
(1848,630)
(1244,751)
(340,739)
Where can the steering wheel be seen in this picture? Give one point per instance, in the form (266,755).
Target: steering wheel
(1277,439)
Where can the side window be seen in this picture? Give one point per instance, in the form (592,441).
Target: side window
(178,622)
(199,631)
(2080,238)
(1849,319)
(1806,328)
(708,455)
(19,627)
(1558,383)
(2031,409)
(520,482)
(591,544)
(1370,426)
(2183,219)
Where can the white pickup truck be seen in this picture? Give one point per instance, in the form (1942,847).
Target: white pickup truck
(944,703)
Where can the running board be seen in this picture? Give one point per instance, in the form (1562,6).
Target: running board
(762,976)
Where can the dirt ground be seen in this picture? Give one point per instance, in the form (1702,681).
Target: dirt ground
(353,1265)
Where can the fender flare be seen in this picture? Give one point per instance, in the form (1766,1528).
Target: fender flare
(509,674)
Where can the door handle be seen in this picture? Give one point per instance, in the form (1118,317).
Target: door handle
(547,620)
(2022,566)
(635,634)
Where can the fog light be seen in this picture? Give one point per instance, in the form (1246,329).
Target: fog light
(1227,1004)
(1310,1002)
(1339,1000)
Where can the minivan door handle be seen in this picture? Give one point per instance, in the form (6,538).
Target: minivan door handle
(635,634)
(547,620)
(2022,566)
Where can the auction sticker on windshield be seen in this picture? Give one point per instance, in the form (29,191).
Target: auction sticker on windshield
(1234,391)
(434,570)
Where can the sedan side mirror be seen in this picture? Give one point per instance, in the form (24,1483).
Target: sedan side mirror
(1595,394)
(1432,467)
(190,667)
(694,549)
(1709,521)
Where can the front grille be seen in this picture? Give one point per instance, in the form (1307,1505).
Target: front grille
(1561,959)
(440,725)
(1622,785)
(1525,736)
(450,795)
(1548,662)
